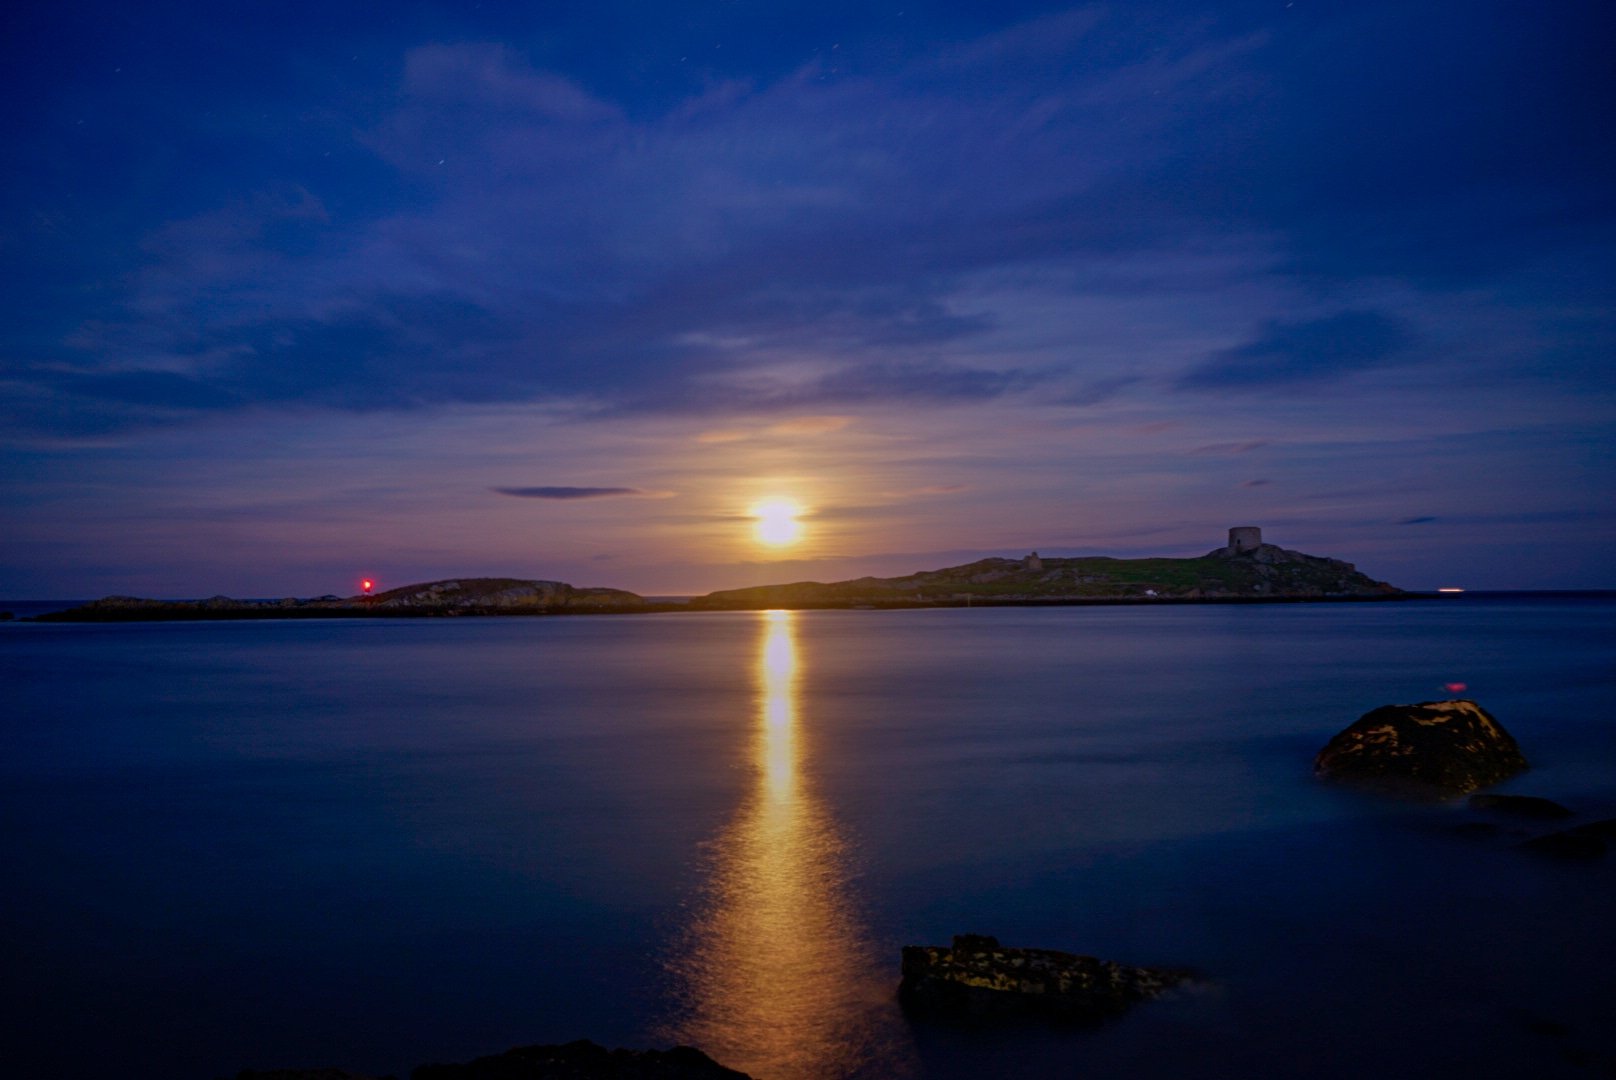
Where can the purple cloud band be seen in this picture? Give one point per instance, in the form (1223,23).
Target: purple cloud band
(564,493)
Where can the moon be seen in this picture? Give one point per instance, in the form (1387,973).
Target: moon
(777,524)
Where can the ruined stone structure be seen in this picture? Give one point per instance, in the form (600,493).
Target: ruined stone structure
(1032,562)
(1244,538)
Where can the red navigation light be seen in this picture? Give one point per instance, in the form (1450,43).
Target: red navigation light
(1454,687)
(367,585)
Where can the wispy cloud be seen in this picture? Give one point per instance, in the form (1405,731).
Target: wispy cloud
(1318,350)
(797,426)
(1098,391)
(809,425)
(1245,447)
(568,493)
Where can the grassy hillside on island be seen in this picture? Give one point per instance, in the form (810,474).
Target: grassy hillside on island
(1262,572)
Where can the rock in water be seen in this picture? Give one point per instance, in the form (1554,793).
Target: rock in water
(1439,748)
(980,979)
(1588,841)
(1521,806)
(302,1074)
(584,1060)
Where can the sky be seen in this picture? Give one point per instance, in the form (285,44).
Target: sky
(301,293)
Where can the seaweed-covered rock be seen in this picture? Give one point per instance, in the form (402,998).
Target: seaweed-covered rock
(1435,748)
(979,979)
(584,1060)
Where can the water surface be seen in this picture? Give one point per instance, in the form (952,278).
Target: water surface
(378,843)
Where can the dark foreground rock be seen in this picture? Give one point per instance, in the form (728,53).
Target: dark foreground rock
(979,979)
(1433,749)
(584,1060)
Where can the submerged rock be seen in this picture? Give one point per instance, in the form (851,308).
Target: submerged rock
(304,1074)
(1435,748)
(977,979)
(1521,806)
(584,1060)
(1588,841)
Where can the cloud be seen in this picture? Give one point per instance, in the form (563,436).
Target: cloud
(904,380)
(1245,447)
(1256,483)
(926,491)
(508,230)
(486,75)
(809,425)
(568,493)
(728,435)
(701,249)
(149,389)
(1318,350)
(798,426)
(1097,391)
(1525,517)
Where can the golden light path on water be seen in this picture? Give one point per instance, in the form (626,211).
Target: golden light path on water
(778,977)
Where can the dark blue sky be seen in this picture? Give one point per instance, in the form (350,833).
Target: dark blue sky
(299,292)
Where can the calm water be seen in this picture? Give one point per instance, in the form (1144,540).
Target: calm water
(379,843)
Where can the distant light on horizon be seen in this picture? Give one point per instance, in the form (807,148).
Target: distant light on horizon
(1450,589)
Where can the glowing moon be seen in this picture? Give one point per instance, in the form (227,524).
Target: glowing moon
(777,523)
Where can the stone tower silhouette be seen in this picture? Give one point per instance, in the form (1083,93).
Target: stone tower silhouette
(1243,538)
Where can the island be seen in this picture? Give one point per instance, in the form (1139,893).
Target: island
(464,596)
(1245,570)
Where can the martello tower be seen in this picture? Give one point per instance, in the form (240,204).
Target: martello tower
(1244,538)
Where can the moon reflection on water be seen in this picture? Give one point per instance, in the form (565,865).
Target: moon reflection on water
(777,975)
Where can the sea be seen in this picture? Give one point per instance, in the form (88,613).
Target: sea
(378,843)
